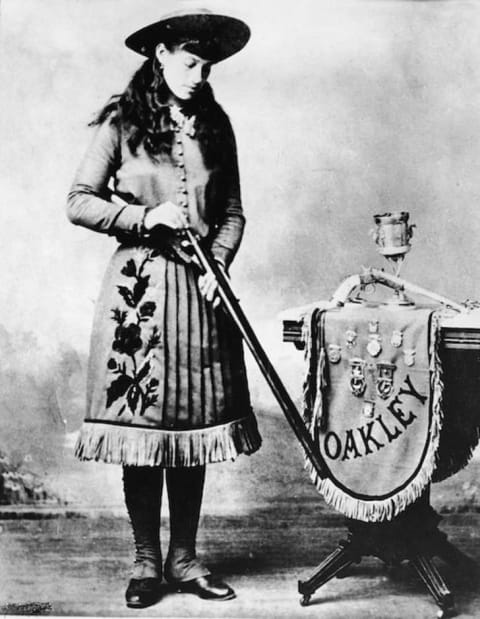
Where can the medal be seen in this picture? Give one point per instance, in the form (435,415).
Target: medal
(368,409)
(334,353)
(384,382)
(358,382)
(397,339)
(374,348)
(350,338)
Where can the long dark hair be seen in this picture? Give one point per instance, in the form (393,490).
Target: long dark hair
(143,113)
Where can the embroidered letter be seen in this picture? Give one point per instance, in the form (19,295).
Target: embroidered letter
(367,438)
(412,391)
(391,437)
(338,445)
(399,414)
(350,446)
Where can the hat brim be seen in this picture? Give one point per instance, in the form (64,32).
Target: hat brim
(223,35)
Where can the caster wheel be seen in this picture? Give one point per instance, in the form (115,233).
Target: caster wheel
(305,600)
(444,613)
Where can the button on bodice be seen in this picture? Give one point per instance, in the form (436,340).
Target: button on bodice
(179,154)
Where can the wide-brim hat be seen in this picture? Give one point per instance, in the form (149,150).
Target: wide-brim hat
(221,35)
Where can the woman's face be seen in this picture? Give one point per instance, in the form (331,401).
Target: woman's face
(184,72)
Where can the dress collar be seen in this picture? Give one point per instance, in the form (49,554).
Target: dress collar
(182,121)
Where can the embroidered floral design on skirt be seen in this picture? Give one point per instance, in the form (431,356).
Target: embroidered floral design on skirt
(167,383)
(133,379)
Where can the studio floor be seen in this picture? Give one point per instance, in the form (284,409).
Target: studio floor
(78,564)
(264,527)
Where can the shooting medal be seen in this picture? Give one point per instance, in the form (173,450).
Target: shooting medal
(358,381)
(384,382)
(334,353)
(409,356)
(397,339)
(350,338)
(368,409)
(374,348)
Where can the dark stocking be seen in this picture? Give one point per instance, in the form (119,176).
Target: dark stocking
(142,486)
(185,491)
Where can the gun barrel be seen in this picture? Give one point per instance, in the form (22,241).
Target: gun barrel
(274,381)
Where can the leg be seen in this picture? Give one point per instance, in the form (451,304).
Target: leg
(143,490)
(185,492)
(182,568)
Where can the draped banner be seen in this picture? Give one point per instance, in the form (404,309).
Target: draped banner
(373,404)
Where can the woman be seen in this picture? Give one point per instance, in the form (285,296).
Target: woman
(167,387)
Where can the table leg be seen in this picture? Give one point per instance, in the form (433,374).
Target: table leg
(340,559)
(442,595)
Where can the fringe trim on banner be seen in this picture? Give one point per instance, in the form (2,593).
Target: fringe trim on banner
(386,509)
(135,446)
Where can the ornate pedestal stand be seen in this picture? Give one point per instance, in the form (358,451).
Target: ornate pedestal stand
(412,536)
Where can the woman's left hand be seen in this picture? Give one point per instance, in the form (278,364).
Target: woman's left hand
(208,288)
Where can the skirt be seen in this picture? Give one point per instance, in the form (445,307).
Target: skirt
(166,383)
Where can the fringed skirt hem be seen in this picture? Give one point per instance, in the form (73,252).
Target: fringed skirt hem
(138,446)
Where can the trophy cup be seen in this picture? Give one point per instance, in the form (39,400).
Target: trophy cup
(392,236)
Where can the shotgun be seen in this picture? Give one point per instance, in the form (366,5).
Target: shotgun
(230,302)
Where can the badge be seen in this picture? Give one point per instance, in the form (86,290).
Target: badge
(409,356)
(350,338)
(374,348)
(334,353)
(373,326)
(369,409)
(358,381)
(384,383)
(397,339)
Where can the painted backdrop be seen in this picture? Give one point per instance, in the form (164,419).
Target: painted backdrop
(342,109)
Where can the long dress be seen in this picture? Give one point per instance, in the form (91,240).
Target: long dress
(166,381)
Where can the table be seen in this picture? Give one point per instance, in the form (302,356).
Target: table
(414,535)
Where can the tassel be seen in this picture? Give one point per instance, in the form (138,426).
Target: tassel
(318,419)
(315,377)
(308,387)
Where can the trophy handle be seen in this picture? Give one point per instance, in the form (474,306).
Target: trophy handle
(410,230)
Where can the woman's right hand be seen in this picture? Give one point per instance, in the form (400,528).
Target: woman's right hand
(166,214)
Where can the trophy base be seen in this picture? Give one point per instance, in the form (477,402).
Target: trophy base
(394,253)
(399,299)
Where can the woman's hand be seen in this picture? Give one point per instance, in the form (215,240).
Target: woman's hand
(208,288)
(166,214)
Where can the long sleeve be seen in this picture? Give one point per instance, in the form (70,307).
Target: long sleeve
(231,221)
(88,204)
